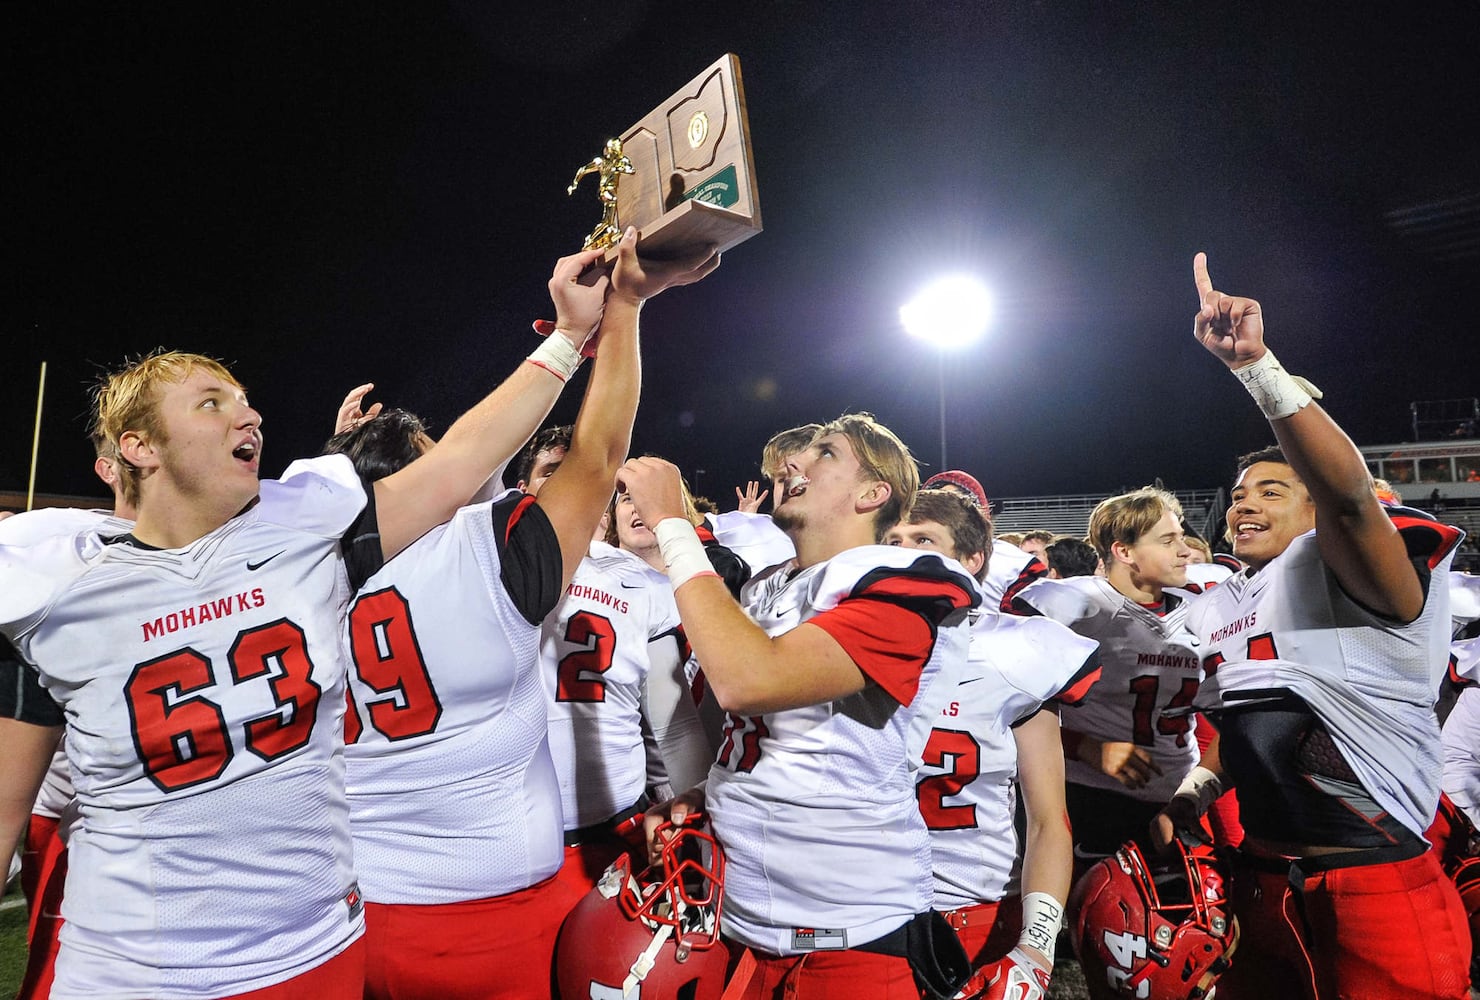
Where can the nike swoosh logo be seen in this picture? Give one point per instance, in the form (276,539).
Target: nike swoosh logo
(969,680)
(251,566)
(631,586)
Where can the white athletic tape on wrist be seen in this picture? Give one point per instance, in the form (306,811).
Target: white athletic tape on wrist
(1278,393)
(1042,915)
(1200,787)
(682,551)
(556,356)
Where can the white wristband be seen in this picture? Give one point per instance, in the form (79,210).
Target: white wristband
(682,551)
(1200,787)
(556,356)
(1278,393)
(1042,915)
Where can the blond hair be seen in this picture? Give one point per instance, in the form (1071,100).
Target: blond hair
(128,400)
(883,456)
(784,445)
(1127,517)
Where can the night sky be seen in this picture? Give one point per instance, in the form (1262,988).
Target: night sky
(330,194)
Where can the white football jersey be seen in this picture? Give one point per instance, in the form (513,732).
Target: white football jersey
(1464,661)
(1009,570)
(1205,576)
(56,792)
(815,806)
(967,783)
(1149,663)
(753,537)
(452,791)
(1464,599)
(594,662)
(1461,781)
(1371,682)
(34,526)
(203,689)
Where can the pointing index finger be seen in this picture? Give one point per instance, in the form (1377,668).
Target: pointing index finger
(1200,275)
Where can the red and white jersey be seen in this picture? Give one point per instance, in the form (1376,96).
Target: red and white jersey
(203,690)
(753,537)
(594,662)
(1148,662)
(1371,682)
(815,806)
(966,786)
(1205,576)
(452,791)
(1009,570)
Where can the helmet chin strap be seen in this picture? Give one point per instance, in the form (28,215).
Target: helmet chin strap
(646,960)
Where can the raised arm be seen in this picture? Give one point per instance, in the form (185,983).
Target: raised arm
(430,490)
(1357,540)
(749,672)
(575,496)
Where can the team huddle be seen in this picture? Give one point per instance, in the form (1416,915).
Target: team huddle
(383,728)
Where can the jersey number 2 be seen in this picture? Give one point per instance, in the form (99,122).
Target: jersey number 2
(965,754)
(579,675)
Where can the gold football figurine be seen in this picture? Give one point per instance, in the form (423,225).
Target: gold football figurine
(608,167)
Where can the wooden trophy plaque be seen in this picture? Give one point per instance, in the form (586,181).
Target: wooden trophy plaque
(690,180)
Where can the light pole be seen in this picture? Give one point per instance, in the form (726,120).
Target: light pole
(949,313)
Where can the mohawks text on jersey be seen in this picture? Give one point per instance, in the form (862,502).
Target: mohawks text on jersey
(1234,627)
(196,614)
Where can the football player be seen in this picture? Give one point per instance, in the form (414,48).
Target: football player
(454,804)
(1010,569)
(1125,757)
(1323,662)
(197,659)
(994,739)
(608,652)
(832,673)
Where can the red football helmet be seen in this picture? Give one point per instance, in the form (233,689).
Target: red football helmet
(1158,931)
(1457,845)
(652,935)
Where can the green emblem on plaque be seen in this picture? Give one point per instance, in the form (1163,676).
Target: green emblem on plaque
(722,189)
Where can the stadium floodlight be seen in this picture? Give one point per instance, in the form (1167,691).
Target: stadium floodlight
(950,313)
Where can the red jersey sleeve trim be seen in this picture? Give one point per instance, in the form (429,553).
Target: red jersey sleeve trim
(1428,540)
(926,587)
(523,504)
(1031,573)
(1454,675)
(890,643)
(1078,687)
